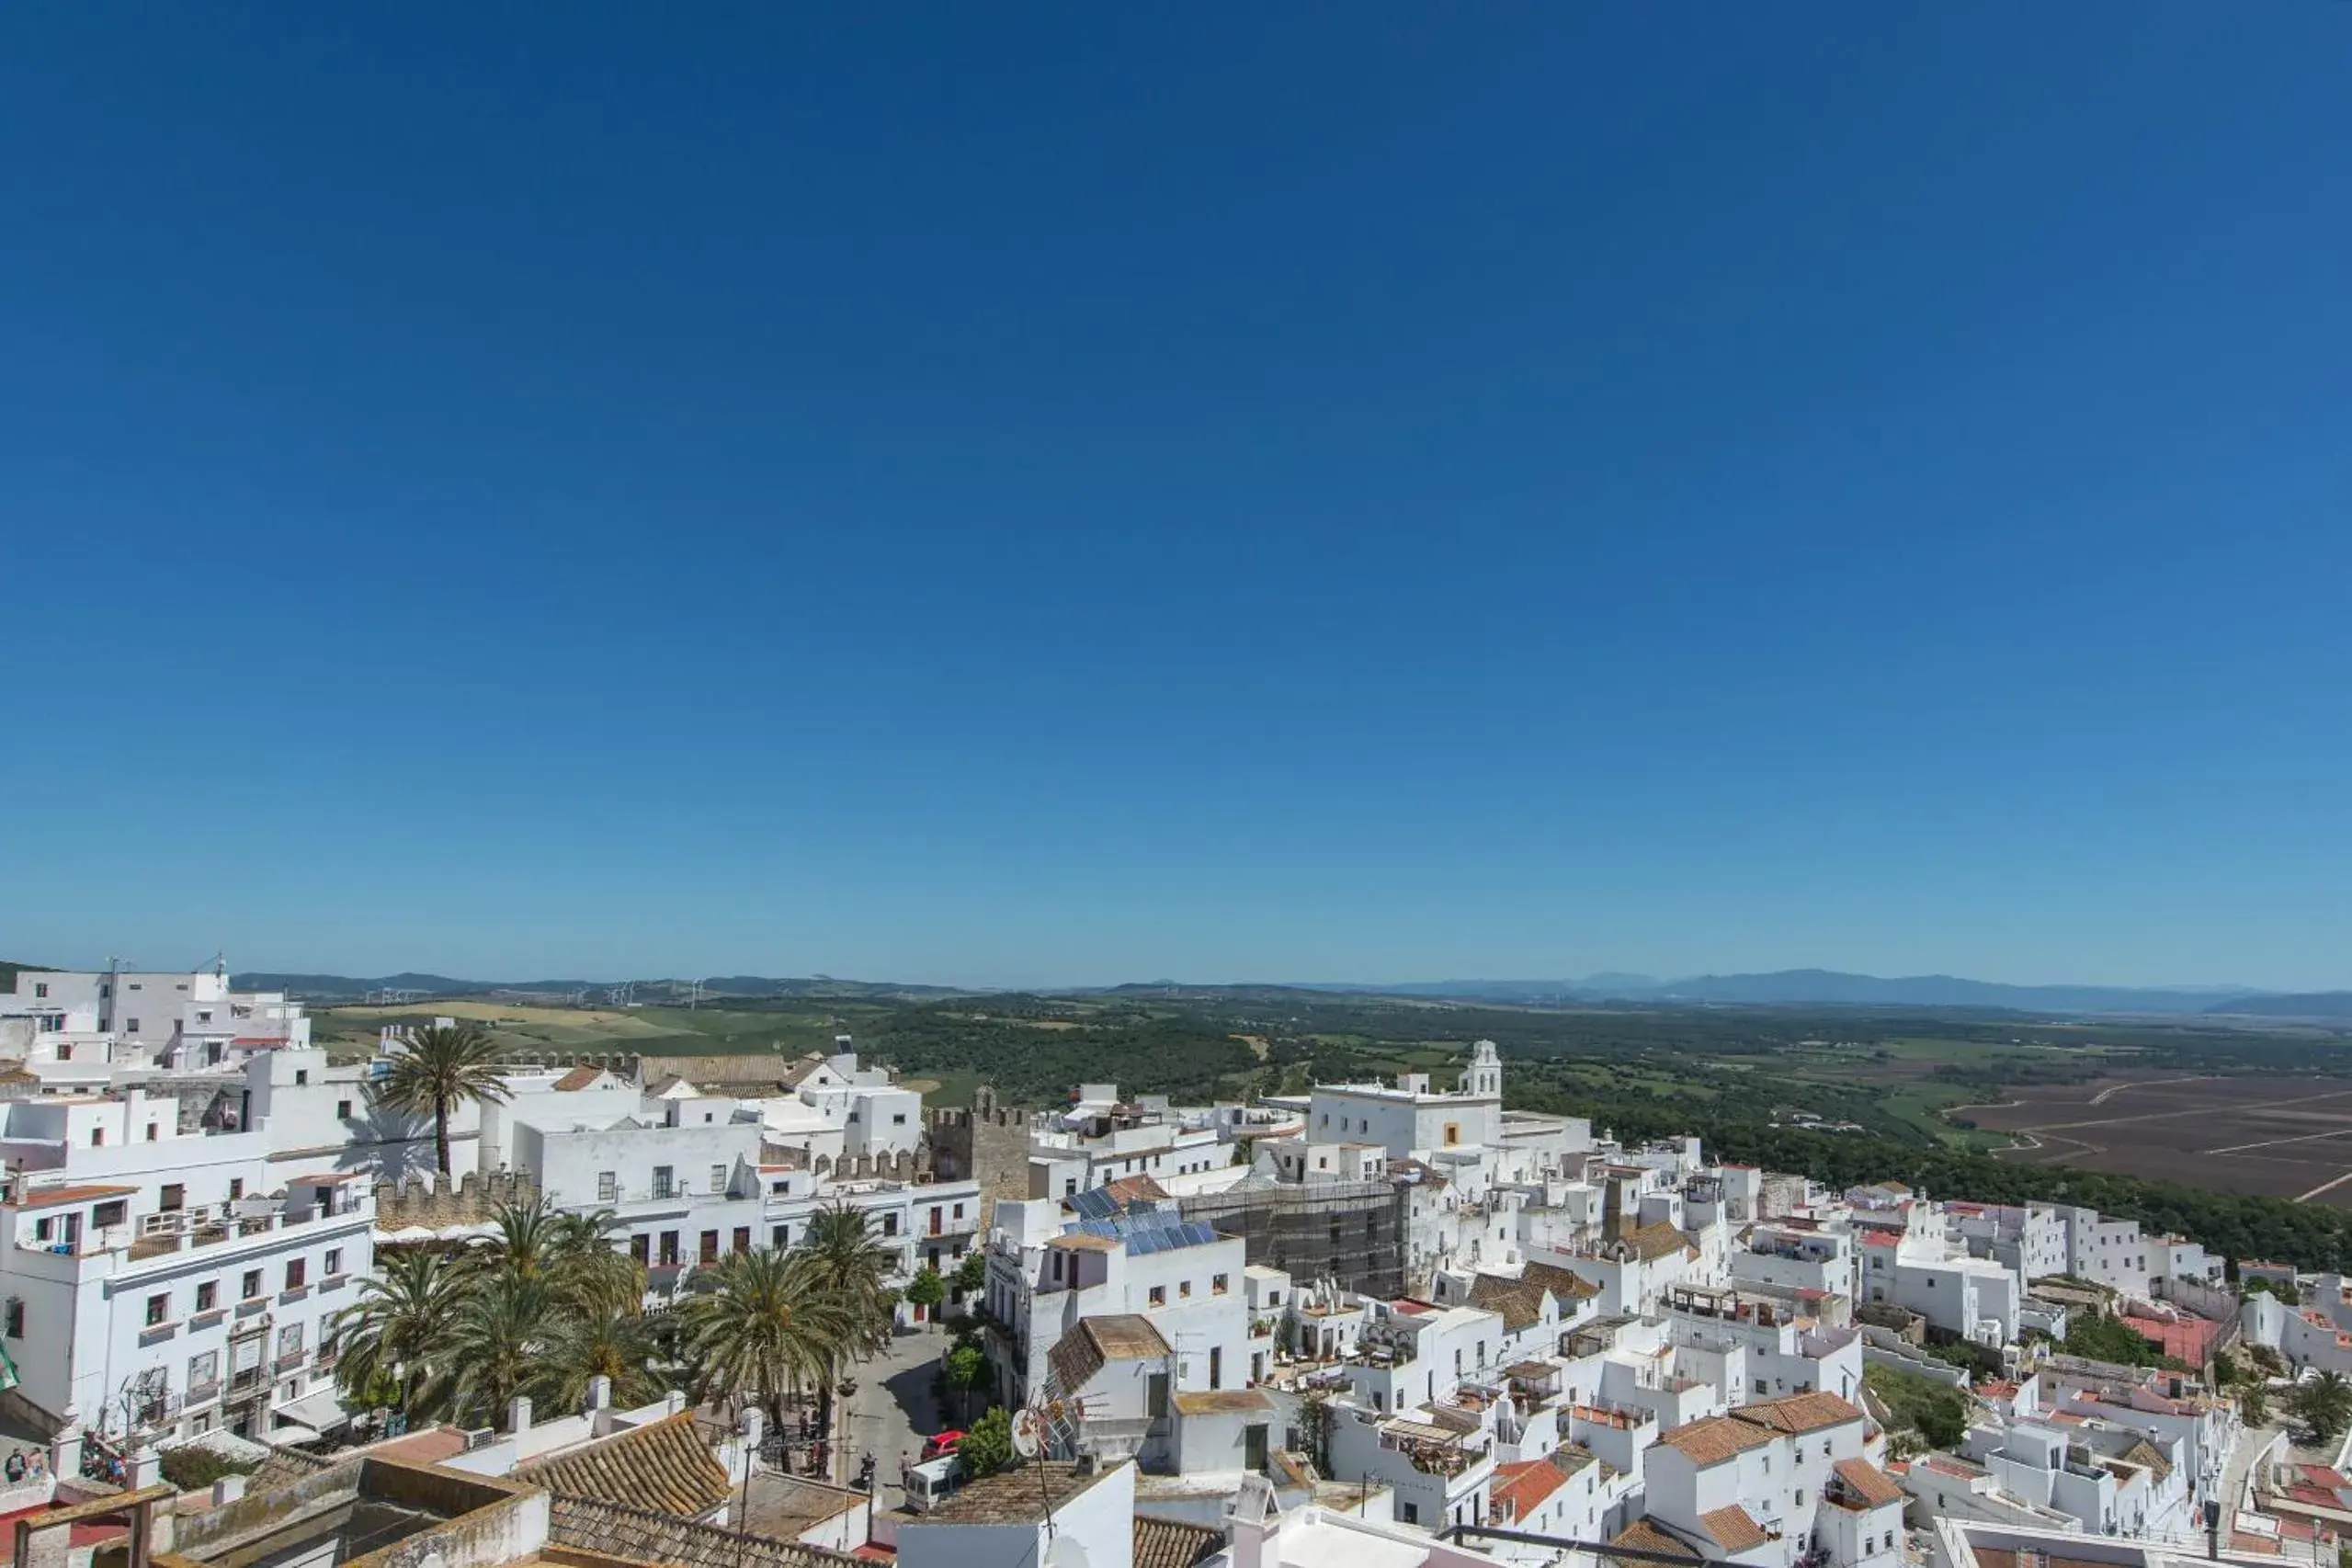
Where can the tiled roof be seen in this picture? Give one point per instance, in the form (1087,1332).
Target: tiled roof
(1518,1302)
(1130,1188)
(1082,1241)
(2143,1452)
(1525,1484)
(613,1530)
(1867,1481)
(665,1466)
(1800,1412)
(1163,1543)
(578,1078)
(1656,1240)
(1563,1284)
(1644,1536)
(800,1071)
(1714,1438)
(1220,1402)
(1734,1528)
(1077,1355)
(50,1197)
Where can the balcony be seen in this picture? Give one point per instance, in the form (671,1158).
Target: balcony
(289,1362)
(249,1380)
(204,1393)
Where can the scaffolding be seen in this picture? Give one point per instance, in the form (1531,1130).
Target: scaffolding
(1350,1232)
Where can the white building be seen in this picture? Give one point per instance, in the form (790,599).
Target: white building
(165,1282)
(1770,1481)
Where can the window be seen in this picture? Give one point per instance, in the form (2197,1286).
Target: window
(41,988)
(1216,1366)
(607,1186)
(1759,1385)
(134,1023)
(343,1110)
(334,1264)
(236,1189)
(1057,1267)
(1801,1496)
(1159,1295)
(899,1119)
(98,1137)
(959,1211)
(664,1179)
(301,1077)
(207,1294)
(297,1271)
(1411,1513)
(718,1178)
(669,1249)
(41,1229)
(150,1132)
(780,1238)
(109,1214)
(173,1196)
(204,1370)
(12,1320)
(159,1308)
(204,1015)
(890,1225)
(251,1284)
(1217,1284)
(290,1339)
(1184,1287)
(709,1252)
(742,1238)
(641,1248)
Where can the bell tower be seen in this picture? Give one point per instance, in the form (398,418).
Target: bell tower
(1485,1076)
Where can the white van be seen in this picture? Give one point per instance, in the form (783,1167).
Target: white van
(928,1484)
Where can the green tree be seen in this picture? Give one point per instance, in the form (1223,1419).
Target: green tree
(767,1325)
(2323,1405)
(625,1347)
(396,1336)
(987,1447)
(2254,1405)
(965,1369)
(971,1274)
(927,1290)
(854,1268)
(495,1345)
(440,1068)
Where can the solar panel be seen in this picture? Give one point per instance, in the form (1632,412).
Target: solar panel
(1144,1241)
(1094,1204)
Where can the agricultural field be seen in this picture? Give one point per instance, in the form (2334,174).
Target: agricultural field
(2275,1136)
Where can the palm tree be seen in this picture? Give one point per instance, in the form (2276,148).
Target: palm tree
(496,1342)
(854,1266)
(2325,1405)
(767,1324)
(442,1068)
(397,1334)
(571,1254)
(583,1345)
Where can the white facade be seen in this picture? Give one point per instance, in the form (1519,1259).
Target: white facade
(165,1281)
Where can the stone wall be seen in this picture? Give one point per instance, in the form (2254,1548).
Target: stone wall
(471,1199)
(988,1143)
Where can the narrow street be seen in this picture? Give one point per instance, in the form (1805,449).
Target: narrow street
(893,1411)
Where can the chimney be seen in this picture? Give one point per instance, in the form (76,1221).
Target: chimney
(672,1402)
(1252,1521)
(599,1393)
(518,1414)
(227,1489)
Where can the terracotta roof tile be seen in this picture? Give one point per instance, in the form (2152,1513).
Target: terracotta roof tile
(1714,1438)
(665,1466)
(1644,1535)
(1867,1483)
(1163,1543)
(578,1078)
(1800,1412)
(611,1530)
(1734,1528)
(1524,1485)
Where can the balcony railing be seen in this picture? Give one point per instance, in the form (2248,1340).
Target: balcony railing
(289,1362)
(251,1378)
(204,1393)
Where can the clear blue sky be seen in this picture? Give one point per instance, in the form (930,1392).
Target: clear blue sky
(1018,494)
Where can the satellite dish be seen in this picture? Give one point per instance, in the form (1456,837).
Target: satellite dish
(1028,1434)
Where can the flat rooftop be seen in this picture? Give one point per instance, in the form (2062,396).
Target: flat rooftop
(1018,1496)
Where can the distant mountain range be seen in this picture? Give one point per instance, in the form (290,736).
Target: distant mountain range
(1789,987)
(346,987)
(1837,988)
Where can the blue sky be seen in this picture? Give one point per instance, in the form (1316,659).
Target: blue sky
(1025,494)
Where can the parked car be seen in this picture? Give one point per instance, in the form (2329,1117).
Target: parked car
(939,1443)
